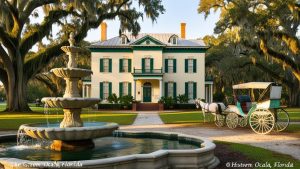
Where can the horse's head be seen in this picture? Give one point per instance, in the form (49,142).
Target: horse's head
(199,103)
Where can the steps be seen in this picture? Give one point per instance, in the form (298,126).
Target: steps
(146,107)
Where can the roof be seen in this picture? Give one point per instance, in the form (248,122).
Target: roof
(161,37)
(253,85)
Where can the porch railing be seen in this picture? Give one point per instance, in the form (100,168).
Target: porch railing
(149,71)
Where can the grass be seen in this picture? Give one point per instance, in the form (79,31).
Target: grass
(12,121)
(197,117)
(261,155)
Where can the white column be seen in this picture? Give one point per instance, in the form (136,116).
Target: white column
(83,91)
(88,91)
(134,89)
(160,88)
(211,93)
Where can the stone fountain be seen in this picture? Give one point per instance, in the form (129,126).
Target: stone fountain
(71,134)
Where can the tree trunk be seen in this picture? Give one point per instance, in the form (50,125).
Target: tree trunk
(294,93)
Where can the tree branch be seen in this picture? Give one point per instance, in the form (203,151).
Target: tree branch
(6,40)
(31,39)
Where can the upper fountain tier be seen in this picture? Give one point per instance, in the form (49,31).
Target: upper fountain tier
(71,72)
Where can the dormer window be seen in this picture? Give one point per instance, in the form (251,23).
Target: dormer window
(124,40)
(173,40)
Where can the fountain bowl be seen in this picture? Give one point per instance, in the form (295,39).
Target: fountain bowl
(69,103)
(70,133)
(202,157)
(71,72)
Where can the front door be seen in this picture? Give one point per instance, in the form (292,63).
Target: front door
(147,92)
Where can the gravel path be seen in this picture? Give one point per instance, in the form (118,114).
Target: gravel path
(147,118)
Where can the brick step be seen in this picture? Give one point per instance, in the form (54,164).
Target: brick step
(147,107)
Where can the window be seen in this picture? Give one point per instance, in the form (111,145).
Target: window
(124,89)
(190,65)
(125,65)
(105,90)
(170,65)
(173,40)
(106,65)
(148,42)
(147,64)
(191,90)
(170,89)
(123,40)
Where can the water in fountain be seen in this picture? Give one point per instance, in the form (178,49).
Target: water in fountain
(46,112)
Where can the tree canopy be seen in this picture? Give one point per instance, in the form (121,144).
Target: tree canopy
(27,23)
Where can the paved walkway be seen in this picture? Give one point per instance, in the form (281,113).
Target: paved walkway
(147,118)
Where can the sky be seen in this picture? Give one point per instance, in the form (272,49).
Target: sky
(177,11)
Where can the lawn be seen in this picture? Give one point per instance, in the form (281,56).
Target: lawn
(197,117)
(254,155)
(14,120)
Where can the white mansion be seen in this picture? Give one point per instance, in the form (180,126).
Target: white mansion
(148,67)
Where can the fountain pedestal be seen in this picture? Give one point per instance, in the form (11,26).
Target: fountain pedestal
(78,145)
(71,118)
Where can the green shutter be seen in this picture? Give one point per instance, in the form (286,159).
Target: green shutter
(151,64)
(187,89)
(166,65)
(121,65)
(143,65)
(101,65)
(195,90)
(129,89)
(166,89)
(174,66)
(101,90)
(174,90)
(120,89)
(110,65)
(129,65)
(186,63)
(110,88)
(194,65)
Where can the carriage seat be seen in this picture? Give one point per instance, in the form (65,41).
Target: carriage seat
(245,103)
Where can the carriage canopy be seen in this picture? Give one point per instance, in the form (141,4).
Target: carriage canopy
(253,85)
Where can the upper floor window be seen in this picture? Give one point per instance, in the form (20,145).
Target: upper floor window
(173,40)
(125,65)
(105,65)
(147,64)
(170,65)
(124,39)
(190,65)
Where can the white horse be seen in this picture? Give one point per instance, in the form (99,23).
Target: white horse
(214,108)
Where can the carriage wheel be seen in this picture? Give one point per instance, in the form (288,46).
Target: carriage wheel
(282,120)
(219,120)
(262,121)
(243,121)
(232,120)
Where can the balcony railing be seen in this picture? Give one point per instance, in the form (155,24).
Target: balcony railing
(148,71)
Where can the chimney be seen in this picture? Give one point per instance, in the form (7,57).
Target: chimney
(103,28)
(182,26)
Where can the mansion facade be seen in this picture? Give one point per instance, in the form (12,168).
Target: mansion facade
(148,67)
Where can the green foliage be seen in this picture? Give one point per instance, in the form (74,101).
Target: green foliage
(113,98)
(36,91)
(182,98)
(126,101)
(167,101)
(219,97)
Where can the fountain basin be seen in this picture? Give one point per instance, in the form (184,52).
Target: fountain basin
(69,103)
(90,131)
(201,156)
(71,72)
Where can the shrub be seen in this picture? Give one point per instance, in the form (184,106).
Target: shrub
(113,98)
(182,98)
(168,101)
(126,101)
(109,106)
